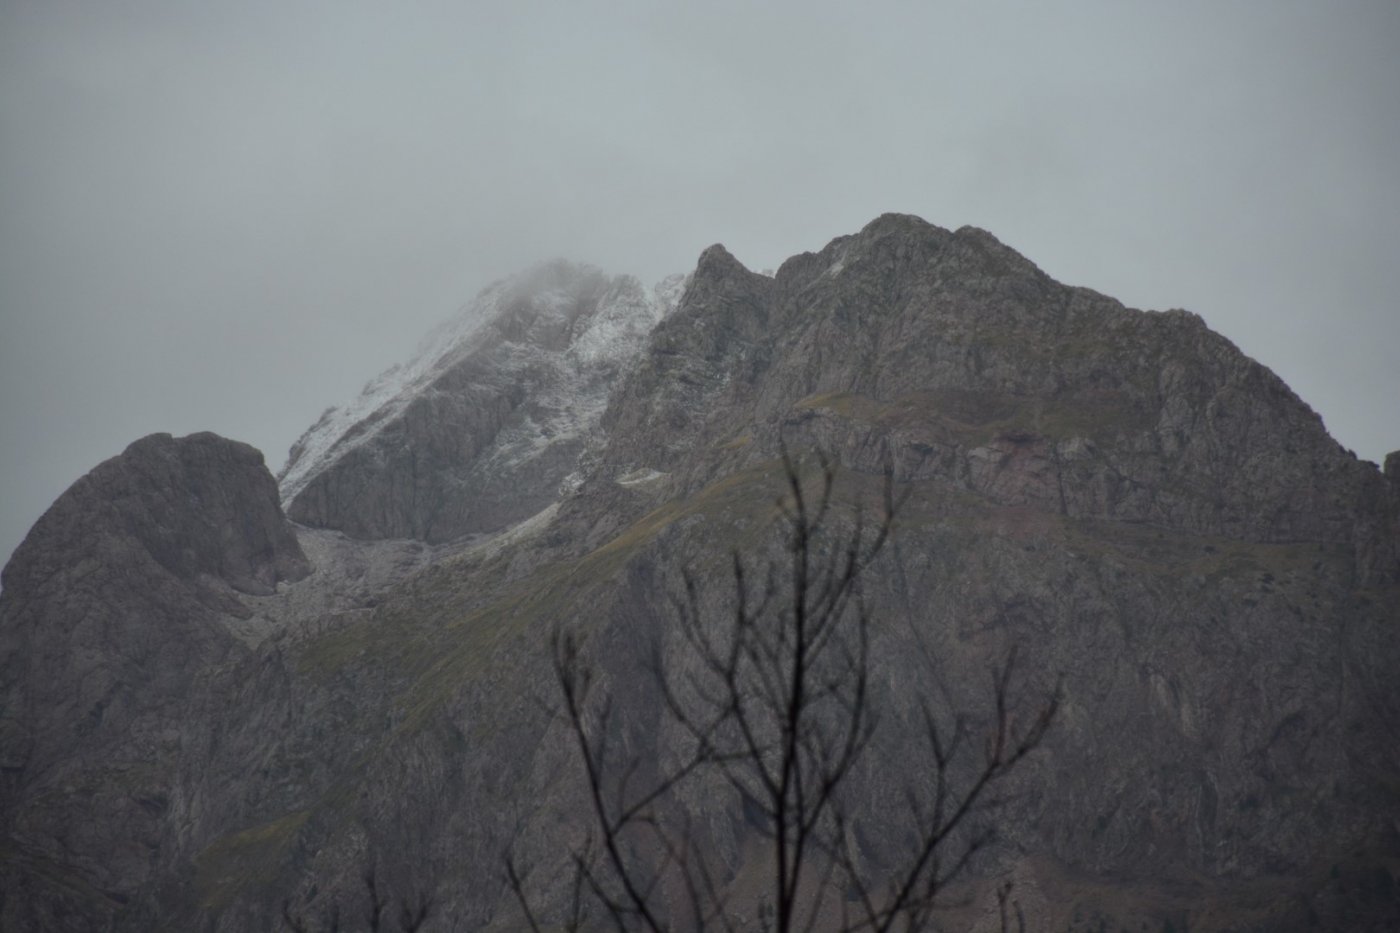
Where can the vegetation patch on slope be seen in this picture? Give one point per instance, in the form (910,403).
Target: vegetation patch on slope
(551,594)
(248,858)
(976,418)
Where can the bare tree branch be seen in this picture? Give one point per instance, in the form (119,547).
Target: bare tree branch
(776,702)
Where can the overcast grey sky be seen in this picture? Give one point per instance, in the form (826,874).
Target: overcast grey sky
(229,216)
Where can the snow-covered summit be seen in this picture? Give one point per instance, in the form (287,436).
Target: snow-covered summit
(514,383)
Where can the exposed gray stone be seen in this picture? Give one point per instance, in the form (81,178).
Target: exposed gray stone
(114,607)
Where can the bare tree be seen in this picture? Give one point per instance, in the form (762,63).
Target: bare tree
(412,913)
(775,702)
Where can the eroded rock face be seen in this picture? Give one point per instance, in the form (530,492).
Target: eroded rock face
(110,615)
(201,507)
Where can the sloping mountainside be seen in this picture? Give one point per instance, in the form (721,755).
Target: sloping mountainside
(210,708)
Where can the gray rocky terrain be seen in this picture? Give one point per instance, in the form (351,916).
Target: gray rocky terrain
(117,605)
(211,707)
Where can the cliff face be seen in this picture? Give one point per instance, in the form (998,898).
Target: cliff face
(1153,519)
(117,602)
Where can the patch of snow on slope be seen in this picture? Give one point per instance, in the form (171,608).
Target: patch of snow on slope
(840,263)
(388,390)
(668,292)
(572,392)
(567,404)
(517,532)
(638,477)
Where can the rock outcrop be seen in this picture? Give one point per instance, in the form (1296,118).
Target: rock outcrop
(113,608)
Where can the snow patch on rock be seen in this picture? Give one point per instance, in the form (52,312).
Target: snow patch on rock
(567,390)
(385,395)
(516,533)
(638,477)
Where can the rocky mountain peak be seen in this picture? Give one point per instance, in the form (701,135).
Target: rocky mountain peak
(199,506)
(977,365)
(716,261)
(483,427)
(720,277)
(117,604)
(545,305)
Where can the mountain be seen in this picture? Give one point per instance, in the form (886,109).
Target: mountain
(213,706)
